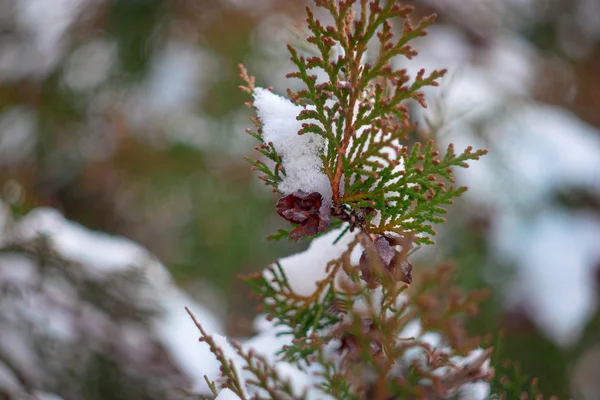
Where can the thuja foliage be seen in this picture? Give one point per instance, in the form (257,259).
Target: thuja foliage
(361,113)
(366,331)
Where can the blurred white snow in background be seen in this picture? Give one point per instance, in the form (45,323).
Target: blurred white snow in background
(536,150)
(55,310)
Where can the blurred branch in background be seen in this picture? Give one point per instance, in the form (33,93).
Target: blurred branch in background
(90,316)
(125,116)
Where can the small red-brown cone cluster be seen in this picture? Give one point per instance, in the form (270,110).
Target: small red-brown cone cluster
(308,210)
(351,344)
(395,263)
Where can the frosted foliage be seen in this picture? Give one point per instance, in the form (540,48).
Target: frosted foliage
(301,154)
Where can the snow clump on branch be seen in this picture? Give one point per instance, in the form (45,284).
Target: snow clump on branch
(301,154)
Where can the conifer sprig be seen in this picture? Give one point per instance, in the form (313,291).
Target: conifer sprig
(389,194)
(361,102)
(230,373)
(263,375)
(370,337)
(360,111)
(272,175)
(302,315)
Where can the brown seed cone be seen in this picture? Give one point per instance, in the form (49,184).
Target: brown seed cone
(305,209)
(394,262)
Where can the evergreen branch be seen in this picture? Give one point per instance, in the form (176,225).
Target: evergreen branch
(392,192)
(266,377)
(227,368)
(211,386)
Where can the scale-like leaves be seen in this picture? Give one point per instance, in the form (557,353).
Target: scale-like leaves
(361,112)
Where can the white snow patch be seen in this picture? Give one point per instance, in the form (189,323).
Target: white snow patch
(17,135)
(304,269)
(90,64)
(180,336)
(556,252)
(535,151)
(94,249)
(301,154)
(227,394)
(475,391)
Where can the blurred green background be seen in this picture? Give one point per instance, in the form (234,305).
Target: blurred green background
(125,115)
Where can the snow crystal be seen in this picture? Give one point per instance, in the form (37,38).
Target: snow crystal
(17,135)
(16,349)
(416,354)
(267,343)
(16,270)
(479,390)
(475,390)
(304,269)
(301,154)
(177,80)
